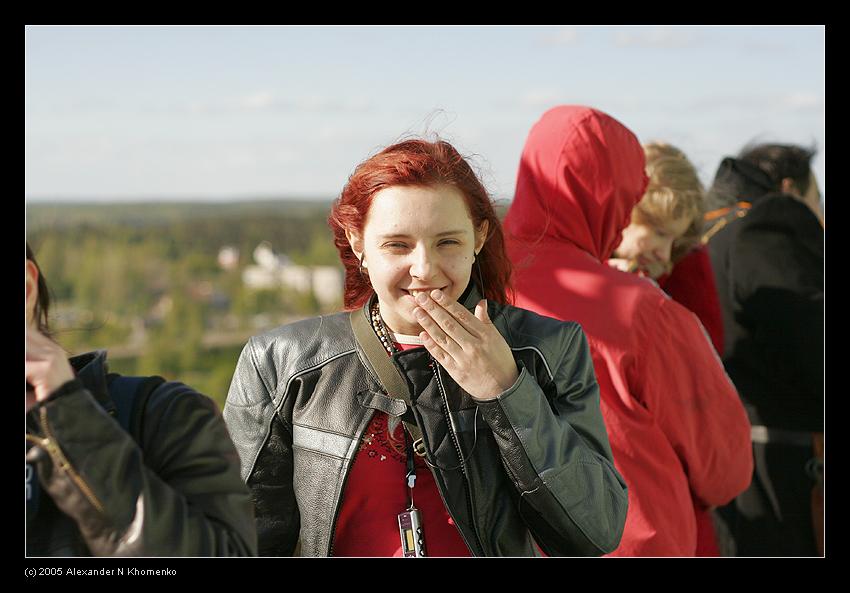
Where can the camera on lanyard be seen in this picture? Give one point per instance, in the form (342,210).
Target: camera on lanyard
(410,521)
(412,537)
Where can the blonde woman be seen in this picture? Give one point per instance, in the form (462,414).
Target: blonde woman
(662,240)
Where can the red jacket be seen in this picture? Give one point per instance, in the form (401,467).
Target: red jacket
(691,283)
(677,427)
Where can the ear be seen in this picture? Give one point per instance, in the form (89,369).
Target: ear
(356,242)
(31,284)
(481,235)
(789,187)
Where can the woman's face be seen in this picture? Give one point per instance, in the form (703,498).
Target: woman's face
(650,245)
(416,239)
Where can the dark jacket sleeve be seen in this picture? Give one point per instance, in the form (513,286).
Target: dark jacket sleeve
(557,453)
(182,497)
(264,442)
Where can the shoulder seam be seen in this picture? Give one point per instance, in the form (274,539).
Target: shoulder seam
(310,368)
(543,358)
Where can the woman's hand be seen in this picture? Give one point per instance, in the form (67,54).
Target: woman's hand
(46,367)
(651,270)
(468,346)
(624,265)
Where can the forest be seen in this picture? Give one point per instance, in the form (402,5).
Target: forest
(146,281)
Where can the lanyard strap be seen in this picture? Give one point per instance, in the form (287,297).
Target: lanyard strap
(394,384)
(410,475)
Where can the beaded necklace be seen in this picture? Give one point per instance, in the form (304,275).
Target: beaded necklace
(382,331)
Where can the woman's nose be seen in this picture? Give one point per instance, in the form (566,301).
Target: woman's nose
(422,264)
(664,251)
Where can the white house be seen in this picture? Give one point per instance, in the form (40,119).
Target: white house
(274,270)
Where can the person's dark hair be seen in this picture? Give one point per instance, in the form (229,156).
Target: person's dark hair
(781,161)
(42,303)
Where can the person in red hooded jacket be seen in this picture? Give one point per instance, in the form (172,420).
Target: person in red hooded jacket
(662,242)
(677,428)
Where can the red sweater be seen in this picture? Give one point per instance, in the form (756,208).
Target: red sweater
(692,284)
(376,492)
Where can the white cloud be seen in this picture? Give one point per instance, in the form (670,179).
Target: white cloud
(803,101)
(313,103)
(564,36)
(657,38)
(285,155)
(765,47)
(541,98)
(258,100)
(740,103)
(798,103)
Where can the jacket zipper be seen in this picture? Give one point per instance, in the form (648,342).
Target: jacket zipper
(50,445)
(435,369)
(344,482)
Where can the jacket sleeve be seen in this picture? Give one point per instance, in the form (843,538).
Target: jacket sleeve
(182,497)
(264,442)
(680,379)
(556,451)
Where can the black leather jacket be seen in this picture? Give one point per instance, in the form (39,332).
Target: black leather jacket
(100,493)
(541,469)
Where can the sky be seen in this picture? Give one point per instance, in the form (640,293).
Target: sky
(234,113)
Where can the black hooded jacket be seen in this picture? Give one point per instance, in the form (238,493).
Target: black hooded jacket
(769,271)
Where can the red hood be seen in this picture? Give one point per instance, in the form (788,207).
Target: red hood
(580,175)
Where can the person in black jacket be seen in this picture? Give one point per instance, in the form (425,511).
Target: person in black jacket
(768,260)
(93,490)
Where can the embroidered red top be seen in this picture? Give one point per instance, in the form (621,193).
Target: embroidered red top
(376,492)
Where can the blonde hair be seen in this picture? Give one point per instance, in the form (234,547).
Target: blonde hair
(674,192)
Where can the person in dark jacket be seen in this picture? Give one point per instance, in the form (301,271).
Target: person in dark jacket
(93,489)
(767,254)
(500,448)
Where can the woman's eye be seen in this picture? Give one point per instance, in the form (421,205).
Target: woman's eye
(450,242)
(394,245)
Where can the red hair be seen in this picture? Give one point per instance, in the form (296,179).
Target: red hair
(417,163)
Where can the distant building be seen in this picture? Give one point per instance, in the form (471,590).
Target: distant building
(275,271)
(327,284)
(228,258)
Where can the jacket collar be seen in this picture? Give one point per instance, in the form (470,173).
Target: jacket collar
(91,370)
(470,296)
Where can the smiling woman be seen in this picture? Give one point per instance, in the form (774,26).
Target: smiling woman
(413,166)
(424,387)
(415,240)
